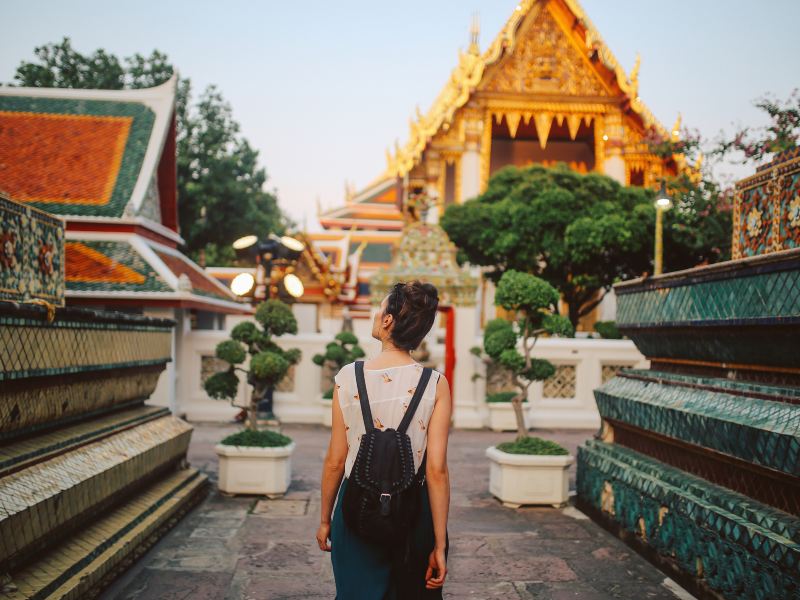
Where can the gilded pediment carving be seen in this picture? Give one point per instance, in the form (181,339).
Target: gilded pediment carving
(545,61)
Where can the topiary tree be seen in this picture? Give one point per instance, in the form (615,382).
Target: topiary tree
(343,350)
(534,302)
(269,363)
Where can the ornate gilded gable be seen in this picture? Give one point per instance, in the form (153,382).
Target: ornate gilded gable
(545,61)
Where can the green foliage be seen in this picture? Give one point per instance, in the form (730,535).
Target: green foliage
(328,395)
(276,317)
(220,181)
(499,340)
(269,363)
(343,350)
(257,439)
(579,233)
(608,330)
(558,325)
(269,367)
(494,325)
(293,355)
(521,291)
(222,385)
(245,332)
(502,397)
(346,337)
(532,445)
(231,351)
(477,350)
(539,370)
(511,360)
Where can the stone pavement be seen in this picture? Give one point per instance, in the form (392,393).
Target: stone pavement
(248,548)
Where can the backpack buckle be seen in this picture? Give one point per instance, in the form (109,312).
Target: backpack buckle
(385,499)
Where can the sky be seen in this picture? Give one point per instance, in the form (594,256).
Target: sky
(323,88)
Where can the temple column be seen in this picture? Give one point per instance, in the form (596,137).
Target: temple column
(471,159)
(613,141)
(467,394)
(433,172)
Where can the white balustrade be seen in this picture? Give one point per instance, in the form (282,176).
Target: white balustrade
(564,401)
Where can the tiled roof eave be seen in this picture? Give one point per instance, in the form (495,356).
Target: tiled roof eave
(144,222)
(160,99)
(180,297)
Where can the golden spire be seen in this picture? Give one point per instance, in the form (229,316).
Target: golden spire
(676,129)
(474,33)
(634,76)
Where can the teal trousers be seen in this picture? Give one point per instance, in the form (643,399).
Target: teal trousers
(364,571)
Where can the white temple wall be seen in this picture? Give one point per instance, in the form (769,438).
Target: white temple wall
(568,403)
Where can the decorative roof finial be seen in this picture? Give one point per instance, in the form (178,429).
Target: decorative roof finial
(634,76)
(474,33)
(676,128)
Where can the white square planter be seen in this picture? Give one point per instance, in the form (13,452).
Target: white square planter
(501,416)
(326,403)
(254,470)
(517,479)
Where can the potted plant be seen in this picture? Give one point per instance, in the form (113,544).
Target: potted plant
(255,461)
(501,411)
(528,470)
(343,350)
(497,336)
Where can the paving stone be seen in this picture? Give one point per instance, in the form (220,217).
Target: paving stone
(249,548)
(281,508)
(481,591)
(539,568)
(152,584)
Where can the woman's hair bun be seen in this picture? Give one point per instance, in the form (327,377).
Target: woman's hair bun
(413,305)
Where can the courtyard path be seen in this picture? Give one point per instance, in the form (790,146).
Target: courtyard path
(237,548)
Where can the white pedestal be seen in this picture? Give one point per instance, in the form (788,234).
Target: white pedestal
(502,417)
(254,470)
(517,479)
(327,407)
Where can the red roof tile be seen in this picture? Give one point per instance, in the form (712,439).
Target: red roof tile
(69,159)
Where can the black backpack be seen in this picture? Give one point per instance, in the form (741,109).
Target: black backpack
(382,498)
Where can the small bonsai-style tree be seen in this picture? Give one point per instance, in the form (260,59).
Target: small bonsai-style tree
(343,350)
(269,363)
(534,302)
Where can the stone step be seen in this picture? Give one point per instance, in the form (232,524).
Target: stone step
(728,418)
(23,453)
(55,497)
(82,565)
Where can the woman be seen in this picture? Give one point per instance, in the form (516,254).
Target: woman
(364,571)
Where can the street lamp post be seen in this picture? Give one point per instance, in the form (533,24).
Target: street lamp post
(663,203)
(283,251)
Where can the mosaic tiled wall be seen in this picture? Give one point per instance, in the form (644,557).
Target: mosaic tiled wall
(698,459)
(31,254)
(88,471)
(741,312)
(766,212)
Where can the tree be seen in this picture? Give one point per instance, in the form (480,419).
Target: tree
(269,363)
(343,350)
(782,133)
(533,301)
(220,184)
(580,233)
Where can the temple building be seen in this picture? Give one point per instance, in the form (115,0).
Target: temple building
(105,162)
(547,90)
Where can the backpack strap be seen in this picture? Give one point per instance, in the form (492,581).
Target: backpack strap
(415,399)
(362,396)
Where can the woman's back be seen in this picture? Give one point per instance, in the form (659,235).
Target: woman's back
(389,391)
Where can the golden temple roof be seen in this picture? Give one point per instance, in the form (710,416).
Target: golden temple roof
(470,69)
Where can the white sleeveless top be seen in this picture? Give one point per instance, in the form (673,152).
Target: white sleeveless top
(389,391)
